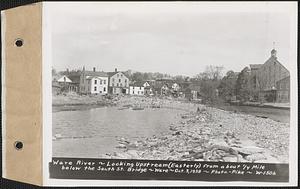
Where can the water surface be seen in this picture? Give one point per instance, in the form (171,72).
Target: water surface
(89,133)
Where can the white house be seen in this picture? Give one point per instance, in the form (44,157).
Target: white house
(137,88)
(147,88)
(97,84)
(64,79)
(93,82)
(175,87)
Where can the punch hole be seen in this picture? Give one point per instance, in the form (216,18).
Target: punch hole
(18,145)
(19,42)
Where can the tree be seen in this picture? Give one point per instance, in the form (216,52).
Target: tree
(209,82)
(211,73)
(227,86)
(53,71)
(243,85)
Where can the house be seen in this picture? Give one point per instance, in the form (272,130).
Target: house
(148,88)
(163,86)
(64,79)
(271,72)
(56,87)
(283,90)
(137,88)
(75,78)
(175,89)
(118,82)
(165,90)
(93,82)
(65,83)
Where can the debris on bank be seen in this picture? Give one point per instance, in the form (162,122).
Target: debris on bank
(209,134)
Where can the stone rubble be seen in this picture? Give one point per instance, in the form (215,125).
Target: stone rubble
(209,134)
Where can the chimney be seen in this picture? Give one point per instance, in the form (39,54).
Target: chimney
(116,69)
(94,69)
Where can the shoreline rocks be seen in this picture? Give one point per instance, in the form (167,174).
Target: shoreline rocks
(210,134)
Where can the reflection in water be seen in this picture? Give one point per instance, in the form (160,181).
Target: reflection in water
(89,133)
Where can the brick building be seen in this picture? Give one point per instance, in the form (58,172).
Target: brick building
(283,90)
(267,77)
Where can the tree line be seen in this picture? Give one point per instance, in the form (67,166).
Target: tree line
(215,87)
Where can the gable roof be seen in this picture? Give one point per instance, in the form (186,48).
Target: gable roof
(255,66)
(64,78)
(110,74)
(92,73)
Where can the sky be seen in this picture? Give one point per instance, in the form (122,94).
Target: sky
(172,38)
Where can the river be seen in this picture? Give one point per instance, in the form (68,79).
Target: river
(93,132)
(90,133)
(281,115)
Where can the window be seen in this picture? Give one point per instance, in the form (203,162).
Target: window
(125,80)
(140,88)
(100,82)
(104,89)
(117,84)
(113,79)
(95,81)
(141,92)
(121,75)
(100,91)
(104,82)
(120,84)
(117,75)
(133,92)
(95,88)
(119,80)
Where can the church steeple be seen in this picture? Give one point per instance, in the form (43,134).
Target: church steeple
(273,51)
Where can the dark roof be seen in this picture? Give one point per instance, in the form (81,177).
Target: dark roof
(74,78)
(138,84)
(99,74)
(255,66)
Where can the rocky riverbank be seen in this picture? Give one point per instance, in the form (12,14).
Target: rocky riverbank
(209,134)
(71,102)
(201,134)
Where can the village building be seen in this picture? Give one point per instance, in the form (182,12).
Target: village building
(268,76)
(93,82)
(148,88)
(137,88)
(175,89)
(118,82)
(64,79)
(163,86)
(283,90)
(56,88)
(62,83)
(75,78)
(254,68)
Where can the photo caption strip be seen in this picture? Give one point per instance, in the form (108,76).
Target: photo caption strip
(124,169)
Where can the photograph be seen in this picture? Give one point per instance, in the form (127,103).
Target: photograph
(170,81)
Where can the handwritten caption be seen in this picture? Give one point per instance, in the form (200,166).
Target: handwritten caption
(144,167)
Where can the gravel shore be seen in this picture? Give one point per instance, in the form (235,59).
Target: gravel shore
(209,134)
(202,134)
